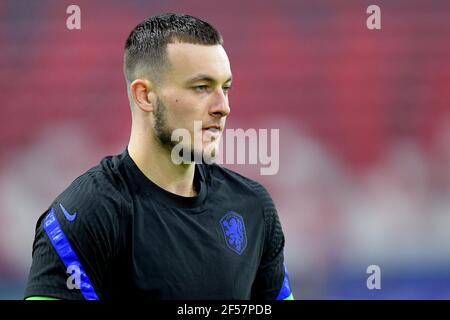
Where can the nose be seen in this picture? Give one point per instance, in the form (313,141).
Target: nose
(219,106)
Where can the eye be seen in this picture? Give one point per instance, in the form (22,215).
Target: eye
(201,88)
(226,89)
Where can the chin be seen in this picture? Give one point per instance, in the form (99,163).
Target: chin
(210,152)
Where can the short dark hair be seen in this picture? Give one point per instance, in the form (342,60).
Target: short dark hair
(145,48)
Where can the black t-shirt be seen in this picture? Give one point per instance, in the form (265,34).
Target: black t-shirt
(114,234)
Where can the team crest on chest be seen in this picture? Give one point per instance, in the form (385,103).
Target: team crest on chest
(233,228)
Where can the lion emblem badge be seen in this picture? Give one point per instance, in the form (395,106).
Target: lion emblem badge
(233,228)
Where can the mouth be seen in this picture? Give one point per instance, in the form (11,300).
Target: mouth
(214,126)
(212,132)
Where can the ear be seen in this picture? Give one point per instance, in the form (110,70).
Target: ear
(143,95)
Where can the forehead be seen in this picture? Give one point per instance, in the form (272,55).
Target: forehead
(187,60)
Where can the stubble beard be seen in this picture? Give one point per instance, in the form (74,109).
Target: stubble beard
(163,132)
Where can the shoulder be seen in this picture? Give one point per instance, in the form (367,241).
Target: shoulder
(94,197)
(99,184)
(239,183)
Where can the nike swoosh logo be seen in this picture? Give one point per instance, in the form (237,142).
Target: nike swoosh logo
(69,216)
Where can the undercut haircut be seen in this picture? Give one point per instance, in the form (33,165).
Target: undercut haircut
(145,49)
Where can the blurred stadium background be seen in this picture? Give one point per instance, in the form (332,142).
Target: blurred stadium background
(364,119)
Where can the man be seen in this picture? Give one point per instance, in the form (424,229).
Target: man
(141,225)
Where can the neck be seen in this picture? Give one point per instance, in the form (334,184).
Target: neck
(155,162)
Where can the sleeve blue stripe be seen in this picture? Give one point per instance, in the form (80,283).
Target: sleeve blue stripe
(66,253)
(285,290)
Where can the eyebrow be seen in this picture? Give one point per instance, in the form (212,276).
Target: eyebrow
(205,77)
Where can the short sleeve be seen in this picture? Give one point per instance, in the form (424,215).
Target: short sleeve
(271,281)
(76,243)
